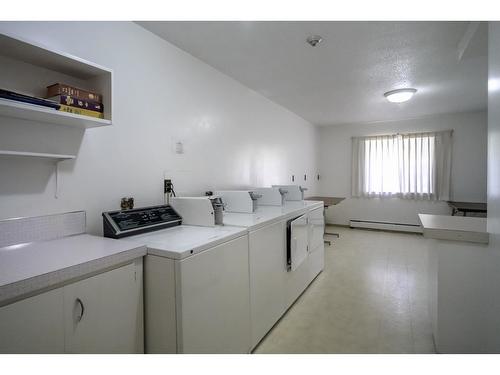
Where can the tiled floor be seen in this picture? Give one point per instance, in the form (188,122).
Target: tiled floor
(371,298)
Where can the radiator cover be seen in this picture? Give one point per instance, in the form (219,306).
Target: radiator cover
(384,225)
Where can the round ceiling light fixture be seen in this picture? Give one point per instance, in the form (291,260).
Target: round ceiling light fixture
(400,95)
(314,40)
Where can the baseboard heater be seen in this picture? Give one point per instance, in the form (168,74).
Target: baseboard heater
(384,225)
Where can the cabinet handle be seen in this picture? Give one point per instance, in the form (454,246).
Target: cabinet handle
(82,308)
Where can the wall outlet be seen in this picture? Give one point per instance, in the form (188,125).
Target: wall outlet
(167,186)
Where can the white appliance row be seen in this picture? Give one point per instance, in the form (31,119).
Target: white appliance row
(219,289)
(207,288)
(247,201)
(286,252)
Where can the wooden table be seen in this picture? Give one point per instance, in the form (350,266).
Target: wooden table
(465,207)
(327,202)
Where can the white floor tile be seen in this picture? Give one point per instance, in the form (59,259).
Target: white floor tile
(371,298)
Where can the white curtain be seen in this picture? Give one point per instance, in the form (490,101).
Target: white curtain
(416,166)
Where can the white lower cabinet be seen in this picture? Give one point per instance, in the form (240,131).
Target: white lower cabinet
(268,272)
(33,325)
(104,313)
(100,314)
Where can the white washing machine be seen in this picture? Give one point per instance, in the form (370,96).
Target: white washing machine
(196,282)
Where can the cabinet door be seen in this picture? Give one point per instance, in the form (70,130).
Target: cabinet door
(267,278)
(316,228)
(33,325)
(104,313)
(213,300)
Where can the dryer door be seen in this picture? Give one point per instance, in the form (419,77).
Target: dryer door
(297,238)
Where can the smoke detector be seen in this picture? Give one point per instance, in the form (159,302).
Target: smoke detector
(314,40)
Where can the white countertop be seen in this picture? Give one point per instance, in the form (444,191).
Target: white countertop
(455,228)
(184,240)
(30,267)
(265,215)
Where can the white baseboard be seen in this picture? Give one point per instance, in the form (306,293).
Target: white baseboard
(380,225)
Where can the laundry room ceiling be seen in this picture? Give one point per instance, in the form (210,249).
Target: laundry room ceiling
(343,79)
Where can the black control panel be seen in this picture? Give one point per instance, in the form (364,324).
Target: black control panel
(118,224)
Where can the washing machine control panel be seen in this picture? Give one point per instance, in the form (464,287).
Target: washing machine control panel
(117,224)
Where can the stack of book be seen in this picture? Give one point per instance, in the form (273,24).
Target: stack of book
(75,100)
(18,97)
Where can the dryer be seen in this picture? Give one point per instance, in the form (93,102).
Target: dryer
(279,261)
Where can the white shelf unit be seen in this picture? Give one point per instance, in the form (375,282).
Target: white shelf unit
(11,108)
(55,157)
(28,68)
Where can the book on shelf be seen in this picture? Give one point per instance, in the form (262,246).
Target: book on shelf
(65,89)
(80,111)
(77,103)
(15,96)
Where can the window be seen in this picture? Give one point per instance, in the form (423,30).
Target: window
(402,165)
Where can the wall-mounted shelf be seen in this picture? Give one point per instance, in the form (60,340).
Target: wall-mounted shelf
(29,67)
(55,157)
(10,108)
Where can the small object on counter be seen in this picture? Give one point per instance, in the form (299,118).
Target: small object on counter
(65,89)
(130,203)
(127,203)
(124,203)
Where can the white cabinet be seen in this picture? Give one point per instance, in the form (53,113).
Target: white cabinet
(29,67)
(100,314)
(33,325)
(103,314)
(268,272)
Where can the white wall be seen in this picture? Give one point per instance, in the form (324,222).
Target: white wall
(468,167)
(233,137)
(492,266)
